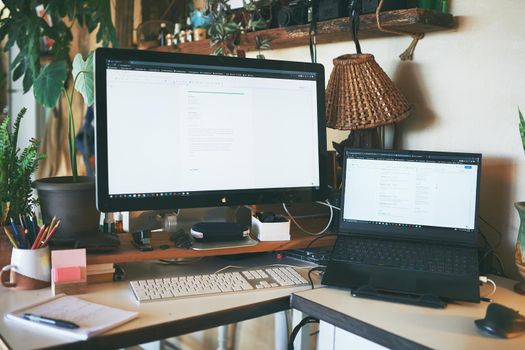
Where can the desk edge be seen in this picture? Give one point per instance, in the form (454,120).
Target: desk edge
(353,325)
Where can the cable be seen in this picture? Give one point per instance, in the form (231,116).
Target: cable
(261,266)
(297,328)
(494,229)
(484,279)
(327,204)
(318,238)
(491,251)
(312,33)
(308,232)
(318,268)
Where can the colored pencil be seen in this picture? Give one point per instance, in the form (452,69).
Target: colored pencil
(17,234)
(38,237)
(13,242)
(51,233)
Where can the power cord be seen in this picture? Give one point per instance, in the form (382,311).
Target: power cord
(318,238)
(485,279)
(327,204)
(317,268)
(489,251)
(297,328)
(494,229)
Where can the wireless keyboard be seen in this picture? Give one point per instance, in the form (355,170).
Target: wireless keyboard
(217,283)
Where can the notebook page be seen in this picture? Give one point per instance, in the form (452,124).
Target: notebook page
(91,318)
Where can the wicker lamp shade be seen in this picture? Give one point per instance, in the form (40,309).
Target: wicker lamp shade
(360,95)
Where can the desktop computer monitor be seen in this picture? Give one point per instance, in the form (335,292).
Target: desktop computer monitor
(187,131)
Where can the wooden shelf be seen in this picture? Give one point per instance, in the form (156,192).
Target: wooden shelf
(128,253)
(415,20)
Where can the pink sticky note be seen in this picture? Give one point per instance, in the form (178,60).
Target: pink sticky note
(69,258)
(67,274)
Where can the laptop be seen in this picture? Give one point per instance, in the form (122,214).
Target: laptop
(408,226)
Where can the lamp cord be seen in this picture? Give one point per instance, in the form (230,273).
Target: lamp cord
(354,12)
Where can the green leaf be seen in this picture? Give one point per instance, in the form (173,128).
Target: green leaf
(28,80)
(19,70)
(48,85)
(522,128)
(219,51)
(83,75)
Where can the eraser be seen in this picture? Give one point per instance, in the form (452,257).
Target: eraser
(66,274)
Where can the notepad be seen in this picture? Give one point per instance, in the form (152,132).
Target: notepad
(91,318)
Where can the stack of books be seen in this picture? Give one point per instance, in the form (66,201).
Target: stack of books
(97,273)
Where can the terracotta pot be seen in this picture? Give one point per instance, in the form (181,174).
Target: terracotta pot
(71,202)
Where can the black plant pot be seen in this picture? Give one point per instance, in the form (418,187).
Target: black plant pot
(71,202)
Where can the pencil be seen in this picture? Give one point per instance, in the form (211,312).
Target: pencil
(46,232)
(51,225)
(38,237)
(13,242)
(51,233)
(17,234)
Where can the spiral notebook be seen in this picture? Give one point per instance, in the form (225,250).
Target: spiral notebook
(91,318)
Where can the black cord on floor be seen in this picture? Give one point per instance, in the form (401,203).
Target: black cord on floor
(297,328)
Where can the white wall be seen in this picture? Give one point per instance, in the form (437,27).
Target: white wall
(466,85)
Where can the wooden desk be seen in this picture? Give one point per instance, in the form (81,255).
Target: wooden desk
(157,320)
(399,326)
(128,253)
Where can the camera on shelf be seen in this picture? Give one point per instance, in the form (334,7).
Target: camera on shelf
(289,13)
(294,12)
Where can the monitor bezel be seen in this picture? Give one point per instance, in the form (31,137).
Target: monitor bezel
(106,203)
(427,233)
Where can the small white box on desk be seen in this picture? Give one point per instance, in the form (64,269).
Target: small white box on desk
(271,231)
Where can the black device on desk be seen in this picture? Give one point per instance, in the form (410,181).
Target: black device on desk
(502,322)
(408,226)
(180,131)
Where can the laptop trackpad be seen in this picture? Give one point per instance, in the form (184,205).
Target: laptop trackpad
(391,280)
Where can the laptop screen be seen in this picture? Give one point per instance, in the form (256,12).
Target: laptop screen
(411,194)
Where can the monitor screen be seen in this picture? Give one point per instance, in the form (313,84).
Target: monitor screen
(183,131)
(434,194)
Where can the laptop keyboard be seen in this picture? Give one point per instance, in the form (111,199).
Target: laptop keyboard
(405,255)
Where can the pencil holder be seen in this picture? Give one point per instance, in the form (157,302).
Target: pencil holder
(29,269)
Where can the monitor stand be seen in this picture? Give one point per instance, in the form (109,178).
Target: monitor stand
(246,242)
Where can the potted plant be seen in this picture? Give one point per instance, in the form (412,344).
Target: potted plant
(70,198)
(42,32)
(226,28)
(519,252)
(16,169)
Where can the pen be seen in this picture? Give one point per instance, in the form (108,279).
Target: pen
(51,321)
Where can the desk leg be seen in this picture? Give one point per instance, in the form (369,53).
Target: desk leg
(281,330)
(222,337)
(227,336)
